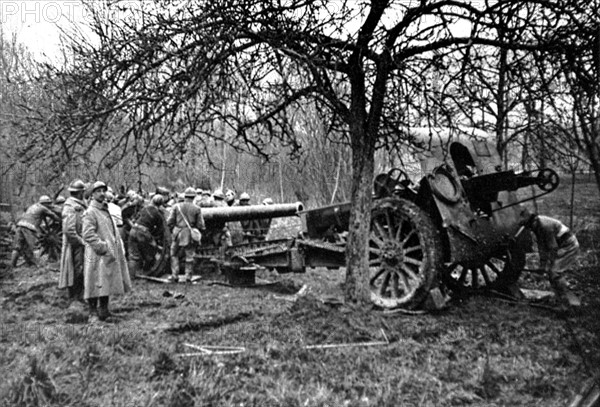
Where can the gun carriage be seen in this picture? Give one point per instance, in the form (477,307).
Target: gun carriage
(453,227)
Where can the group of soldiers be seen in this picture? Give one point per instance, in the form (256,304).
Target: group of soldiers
(109,239)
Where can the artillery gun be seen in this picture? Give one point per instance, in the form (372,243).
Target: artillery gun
(454,227)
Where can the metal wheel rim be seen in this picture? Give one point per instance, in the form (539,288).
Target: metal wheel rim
(396,259)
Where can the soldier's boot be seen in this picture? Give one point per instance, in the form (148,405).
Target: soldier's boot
(134,270)
(561,288)
(103,312)
(174,269)
(14,258)
(189,269)
(93,303)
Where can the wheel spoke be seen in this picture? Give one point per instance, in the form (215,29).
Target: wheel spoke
(412,249)
(486,277)
(463,275)
(375,239)
(399,230)
(408,236)
(381,231)
(390,224)
(376,276)
(493,267)
(395,291)
(415,262)
(474,278)
(374,262)
(409,273)
(375,250)
(384,283)
(405,281)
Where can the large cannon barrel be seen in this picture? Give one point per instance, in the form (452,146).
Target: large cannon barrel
(237,213)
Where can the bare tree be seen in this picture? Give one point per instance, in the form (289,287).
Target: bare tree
(180,70)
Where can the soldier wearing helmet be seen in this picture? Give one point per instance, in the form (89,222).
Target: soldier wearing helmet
(129,212)
(219,198)
(147,236)
(184,217)
(28,230)
(558,249)
(59,203)
(217,231)
(71,258)
(250,227)
(105,266)
(206,200)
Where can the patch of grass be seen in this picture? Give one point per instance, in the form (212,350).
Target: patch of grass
(480,351)
(34,388)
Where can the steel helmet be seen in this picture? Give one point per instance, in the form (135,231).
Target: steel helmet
(98,185)
(59,200)
(189,192)
(45,199)
(76,186)
(218,194)
(163,191)
(267,201)
(244,197)
(158,200)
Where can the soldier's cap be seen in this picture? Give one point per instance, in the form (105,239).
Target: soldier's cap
(45,199)
(59,200)
(267,201)
(77,185)
(98,185)
(110,196)
(189,192)
(199,191)
(244,196)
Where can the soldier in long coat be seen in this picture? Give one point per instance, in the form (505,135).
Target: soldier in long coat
(105,267)
(73,246)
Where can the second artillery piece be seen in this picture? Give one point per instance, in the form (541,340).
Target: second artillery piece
(452,228)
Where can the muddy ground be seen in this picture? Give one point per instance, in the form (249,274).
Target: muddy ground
(479,351)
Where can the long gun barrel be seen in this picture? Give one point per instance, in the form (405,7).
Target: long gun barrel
(236,213)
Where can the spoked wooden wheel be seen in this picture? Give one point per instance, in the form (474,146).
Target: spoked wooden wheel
(495,273)
(50,239)
(404,254)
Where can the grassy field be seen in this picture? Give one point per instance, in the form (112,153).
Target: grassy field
(480,351)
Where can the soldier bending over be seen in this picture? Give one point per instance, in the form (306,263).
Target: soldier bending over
(558,248)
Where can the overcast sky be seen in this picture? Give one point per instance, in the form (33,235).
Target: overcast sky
(36,22)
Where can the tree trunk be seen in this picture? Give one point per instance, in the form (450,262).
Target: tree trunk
(357,256)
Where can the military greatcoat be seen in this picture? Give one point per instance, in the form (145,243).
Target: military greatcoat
(71,259)
(105,266)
